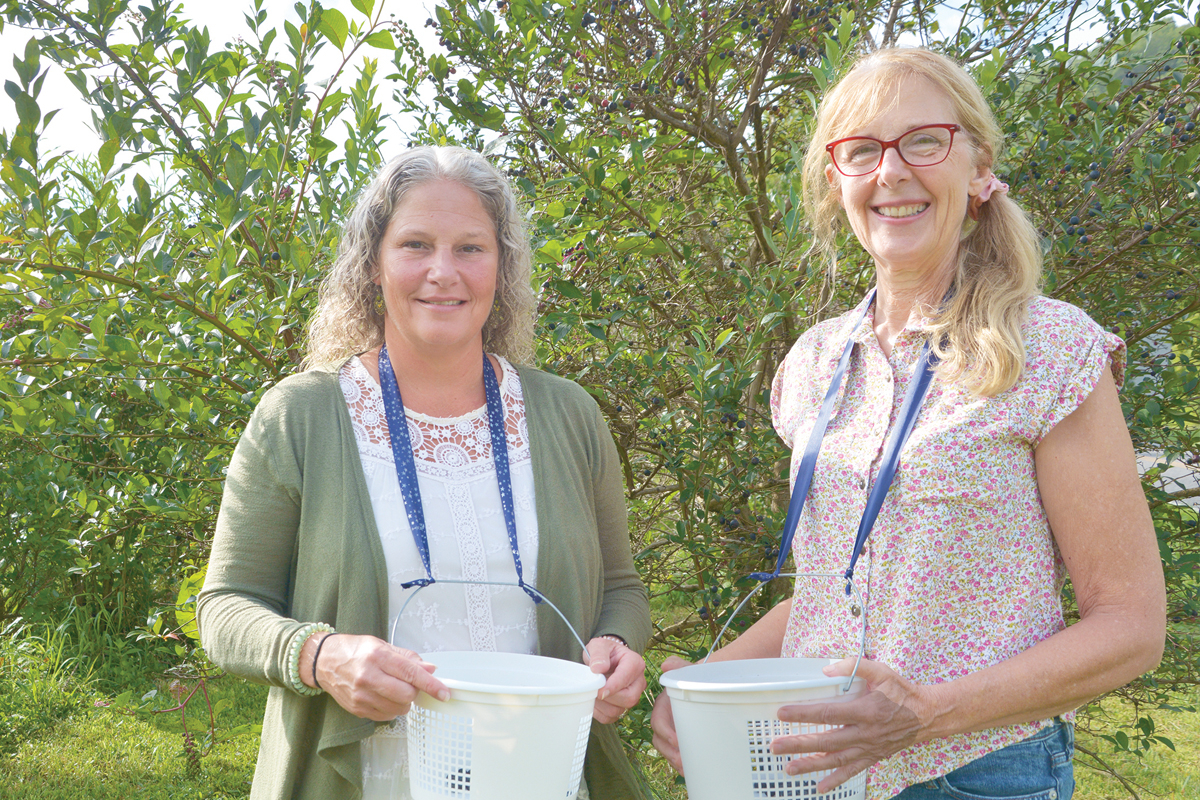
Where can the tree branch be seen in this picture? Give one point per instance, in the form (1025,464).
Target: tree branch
(142,287)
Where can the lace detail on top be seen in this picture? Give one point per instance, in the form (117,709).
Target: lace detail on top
(467,541)
(444,447)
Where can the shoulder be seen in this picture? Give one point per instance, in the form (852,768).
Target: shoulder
(1062,341)
(300,398)
(547,388)
(1050,319)
(834,329)
(1056,331)
(563,412)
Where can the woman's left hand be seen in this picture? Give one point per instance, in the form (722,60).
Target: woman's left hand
(892,715)
(625,677)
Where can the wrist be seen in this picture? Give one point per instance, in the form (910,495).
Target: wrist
(935,710)
(301,657)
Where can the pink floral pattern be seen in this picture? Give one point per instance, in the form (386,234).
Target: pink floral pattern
(961,570)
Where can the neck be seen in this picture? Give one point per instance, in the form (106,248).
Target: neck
(899,297)
(438,384)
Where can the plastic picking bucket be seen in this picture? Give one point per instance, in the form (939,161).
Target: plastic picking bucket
(516,726)
(727,714)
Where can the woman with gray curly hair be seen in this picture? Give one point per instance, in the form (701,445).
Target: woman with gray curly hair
(376,472)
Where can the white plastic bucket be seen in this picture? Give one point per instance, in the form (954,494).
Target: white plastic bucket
(726,714)
(516,726)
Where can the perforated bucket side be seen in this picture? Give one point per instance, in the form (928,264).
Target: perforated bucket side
(725,745)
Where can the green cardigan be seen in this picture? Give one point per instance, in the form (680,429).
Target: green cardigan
(296,542)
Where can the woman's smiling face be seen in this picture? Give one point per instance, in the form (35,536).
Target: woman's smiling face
(438,261)
(910,218)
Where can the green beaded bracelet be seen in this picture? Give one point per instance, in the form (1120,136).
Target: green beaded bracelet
(294,682)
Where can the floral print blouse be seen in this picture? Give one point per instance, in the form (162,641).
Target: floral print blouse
(961,570)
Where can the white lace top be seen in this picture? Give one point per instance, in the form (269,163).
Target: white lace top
(467,540)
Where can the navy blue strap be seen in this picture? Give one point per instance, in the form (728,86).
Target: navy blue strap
(406,466)
(891,456)
(808,462)
(909,409)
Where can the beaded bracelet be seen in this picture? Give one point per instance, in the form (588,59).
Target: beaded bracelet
(293,678)
(613,637)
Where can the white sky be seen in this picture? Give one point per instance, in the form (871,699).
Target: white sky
(72,130)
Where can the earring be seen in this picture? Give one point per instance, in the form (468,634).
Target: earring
(378,303)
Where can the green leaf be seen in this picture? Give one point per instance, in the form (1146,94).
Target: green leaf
(319,146)
(24,147)
(568,289)
(107,154)
(28,69)
(27,111)
(365,6)
(382,39)
(438,65)
(99,325)
(185,603)
(334,26)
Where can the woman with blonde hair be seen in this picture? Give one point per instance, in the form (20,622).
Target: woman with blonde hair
(418,452)
(959,450)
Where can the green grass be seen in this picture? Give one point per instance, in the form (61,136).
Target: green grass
(58,741)
(39,684)
(1159,773)
(100,755)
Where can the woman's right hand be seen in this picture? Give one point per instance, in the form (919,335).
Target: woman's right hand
(662,721)
(369,677)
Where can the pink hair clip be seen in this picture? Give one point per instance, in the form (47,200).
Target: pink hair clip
(993,184)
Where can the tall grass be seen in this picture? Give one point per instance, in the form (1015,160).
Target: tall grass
(41,682)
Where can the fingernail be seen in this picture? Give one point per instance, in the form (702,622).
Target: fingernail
(827,669)
(604,694)
(444,695)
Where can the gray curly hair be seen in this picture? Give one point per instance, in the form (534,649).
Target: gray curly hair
(346,323)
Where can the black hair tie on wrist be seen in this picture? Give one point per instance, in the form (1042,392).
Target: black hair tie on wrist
(317,655)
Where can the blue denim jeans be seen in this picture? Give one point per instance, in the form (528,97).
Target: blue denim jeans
(1037,768)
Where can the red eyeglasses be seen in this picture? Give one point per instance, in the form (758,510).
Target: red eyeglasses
(925,146)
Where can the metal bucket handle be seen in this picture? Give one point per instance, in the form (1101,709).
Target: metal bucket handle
(851,588)
(526,587)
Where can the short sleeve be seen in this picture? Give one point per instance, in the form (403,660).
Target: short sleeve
(1067,352)
(784,391)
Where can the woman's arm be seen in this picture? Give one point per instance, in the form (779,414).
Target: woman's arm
(763,639)
(625,607)
(244,610)
(1089,484)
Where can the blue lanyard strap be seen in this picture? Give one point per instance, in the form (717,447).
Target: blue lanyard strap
(406,466)
(909,410)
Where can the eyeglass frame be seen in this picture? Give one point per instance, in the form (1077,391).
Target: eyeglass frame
(893,143)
